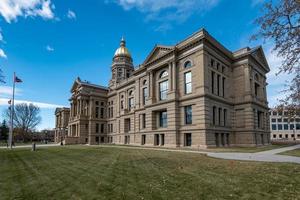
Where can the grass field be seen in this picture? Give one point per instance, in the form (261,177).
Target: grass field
(79,172)
(295,152)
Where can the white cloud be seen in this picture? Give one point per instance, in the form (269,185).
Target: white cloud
(4,102)
(7,91)
(71,14)
(49,48)
(2,54)
(12,9)
(171,11)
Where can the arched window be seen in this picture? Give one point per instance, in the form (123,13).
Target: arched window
(187,64)
(145,82)
(163,74)
(130,92)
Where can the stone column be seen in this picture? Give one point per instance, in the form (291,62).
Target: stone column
(247,82)
(151,87)
(171,77)
(174,76)
(71,110)
(91,108)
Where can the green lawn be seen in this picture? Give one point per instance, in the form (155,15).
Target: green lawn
(223,149)
(295,152)
(79,172)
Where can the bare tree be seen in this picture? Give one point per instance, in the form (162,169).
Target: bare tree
(280,23)
(26,117)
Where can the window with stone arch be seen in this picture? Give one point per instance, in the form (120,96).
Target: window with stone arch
(145,82)
(163,74)
(187,64)
(130,93)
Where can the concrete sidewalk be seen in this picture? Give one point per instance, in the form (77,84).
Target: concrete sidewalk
(263,156)
(30,146)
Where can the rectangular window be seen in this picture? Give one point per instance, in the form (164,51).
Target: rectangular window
(143,121)
(220,114)
(214,115)
(97,128)
(188,139)
(292,126)
(285,126)
(279,126)
(130,103)
(112,112)
(163,90)
(188,82)
(102,128)
(274,127)
(127,125)
(218,84)
(162,139)
(122,104)
(273,120)
(212,82)
(97,112)
(297,126)
(143,139)
(212,62)
(258,119)
(256,87)
(225,117)
(102,112)
(223,87)
(163,119)
(145,95)
(156,139)
(188,114)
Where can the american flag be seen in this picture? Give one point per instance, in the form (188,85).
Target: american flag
(17,80)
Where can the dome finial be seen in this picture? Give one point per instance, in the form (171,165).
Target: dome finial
(123,42)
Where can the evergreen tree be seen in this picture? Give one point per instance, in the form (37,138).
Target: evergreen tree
(4,131)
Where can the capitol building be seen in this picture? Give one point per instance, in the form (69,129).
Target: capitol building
(195,94)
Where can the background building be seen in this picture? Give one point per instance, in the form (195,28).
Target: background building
(283,126)
(61,124)
(196,93)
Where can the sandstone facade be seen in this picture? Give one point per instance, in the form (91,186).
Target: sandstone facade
(196,94)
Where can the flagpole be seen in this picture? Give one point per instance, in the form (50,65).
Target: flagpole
(12,114)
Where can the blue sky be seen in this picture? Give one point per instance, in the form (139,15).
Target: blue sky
(50,43)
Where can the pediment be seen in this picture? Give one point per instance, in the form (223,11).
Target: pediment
(259,55)
(157,52)
(76,83)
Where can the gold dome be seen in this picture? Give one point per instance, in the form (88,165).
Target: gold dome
(122,50)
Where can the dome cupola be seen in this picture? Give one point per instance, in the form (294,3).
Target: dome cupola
(122,50)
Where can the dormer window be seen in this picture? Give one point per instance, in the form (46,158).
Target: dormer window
(187,64)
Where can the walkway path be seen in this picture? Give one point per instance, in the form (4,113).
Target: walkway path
(264,156)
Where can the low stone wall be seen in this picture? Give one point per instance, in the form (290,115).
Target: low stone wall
(285,141)
(71,140)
